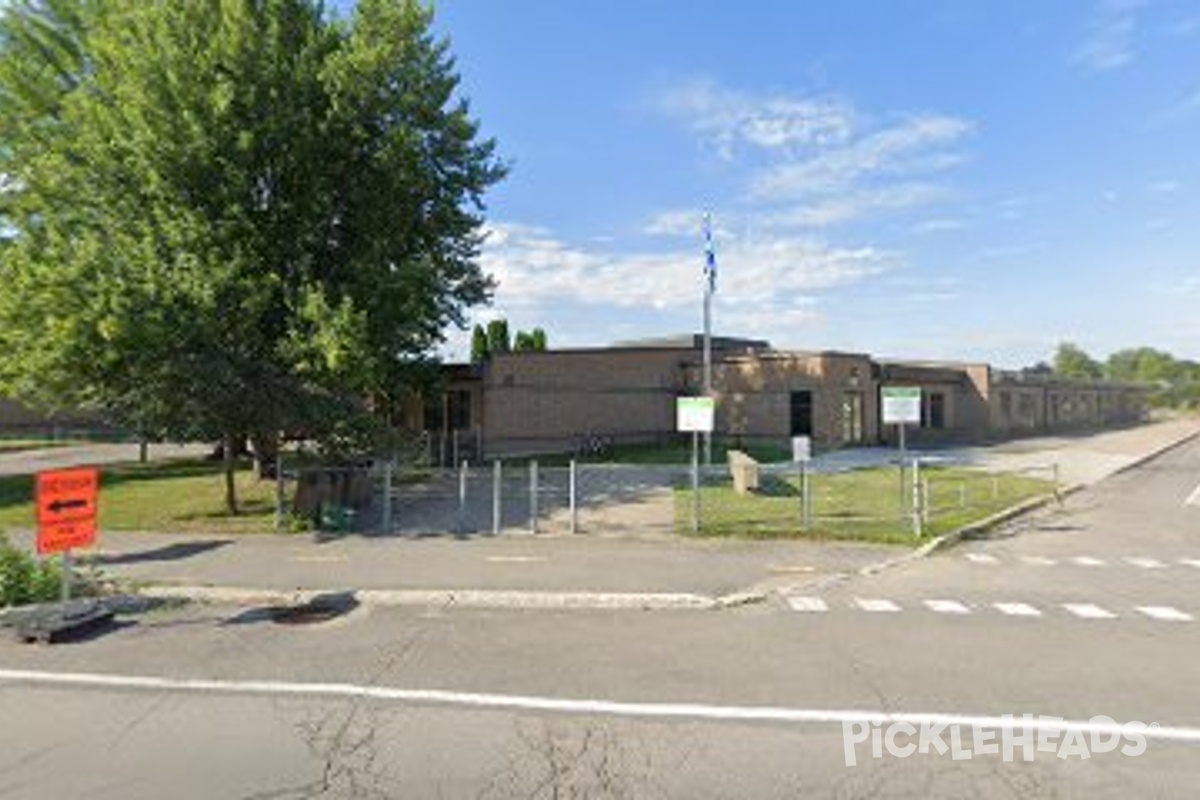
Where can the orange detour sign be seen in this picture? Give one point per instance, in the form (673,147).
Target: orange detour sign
(66,509)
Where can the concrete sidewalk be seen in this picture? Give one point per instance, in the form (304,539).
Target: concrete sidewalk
(545,570)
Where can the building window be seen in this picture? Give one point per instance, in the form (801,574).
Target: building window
(1026,408)
(448,411)
(937,410)
(1006,405)
(802,413)
(459,406)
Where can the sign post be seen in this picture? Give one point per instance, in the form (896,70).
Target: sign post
(802,454)
(901,406)
(66,515)
(695,415)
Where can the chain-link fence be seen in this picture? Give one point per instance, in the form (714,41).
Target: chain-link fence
(889,500)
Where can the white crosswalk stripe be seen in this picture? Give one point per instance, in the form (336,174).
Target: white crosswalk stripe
(947,607)
(1086,611)
(1089,611)
(1145,563)
(1191,562)
(980,558)
(1040,561)
(1165,613)
(1017,609)
(876,605)
(1088,561)
(807,604)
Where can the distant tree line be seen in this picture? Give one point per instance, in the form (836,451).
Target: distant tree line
(494,339)
(1177,381)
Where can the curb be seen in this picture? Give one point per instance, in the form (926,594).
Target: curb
(448,598)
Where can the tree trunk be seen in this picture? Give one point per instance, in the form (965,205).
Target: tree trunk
(231,504)
(266,447)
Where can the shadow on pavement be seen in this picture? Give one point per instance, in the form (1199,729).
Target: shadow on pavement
(170,552)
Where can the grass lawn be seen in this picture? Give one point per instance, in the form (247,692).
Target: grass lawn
(862,505)
(164,496)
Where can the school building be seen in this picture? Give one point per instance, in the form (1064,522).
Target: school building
(558,400)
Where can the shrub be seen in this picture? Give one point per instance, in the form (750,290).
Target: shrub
(24,579)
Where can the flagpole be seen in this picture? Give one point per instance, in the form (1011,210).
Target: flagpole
(710,266)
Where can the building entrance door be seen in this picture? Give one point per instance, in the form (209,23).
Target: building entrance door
(852,417)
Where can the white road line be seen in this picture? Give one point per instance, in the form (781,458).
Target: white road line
(947,607)
(515,559)
(1165,613)
(1089,611)
(1191,562)
(980,558)
(807,604)
(569,706)
(1145,563)
(1017,609)
(1088,561)
(876,605)
(1193,498)
(1040,561)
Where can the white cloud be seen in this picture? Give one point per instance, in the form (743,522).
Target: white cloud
(1166,186)
(853,205)
(1109,43)
(939,225)
(908,147)
(532,267)
(685,223)
(729,119)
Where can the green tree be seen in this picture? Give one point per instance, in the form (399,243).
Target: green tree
(497,335)
(538,339)
(233,217)
(1070,361)
(479,345)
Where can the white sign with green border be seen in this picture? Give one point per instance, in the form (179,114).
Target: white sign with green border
(694,414)
(901,404)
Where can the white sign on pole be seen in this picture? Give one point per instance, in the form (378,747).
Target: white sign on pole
(801,448)
(901,404)
(694,414)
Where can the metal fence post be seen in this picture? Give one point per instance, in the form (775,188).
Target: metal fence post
(918,526)
(387,497)
(497,488)
(925,504)
(462,497)
(533,496)
(279,490)
(572,485)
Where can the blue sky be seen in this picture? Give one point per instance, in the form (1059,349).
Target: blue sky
(940,179)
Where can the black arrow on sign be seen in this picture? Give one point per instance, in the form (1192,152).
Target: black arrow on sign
(63,505)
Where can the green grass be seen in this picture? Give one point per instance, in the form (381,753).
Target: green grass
(861,505)
(182,496)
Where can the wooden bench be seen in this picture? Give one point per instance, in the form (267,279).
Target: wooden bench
(744,471)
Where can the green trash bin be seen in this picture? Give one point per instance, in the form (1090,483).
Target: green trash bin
(337,519)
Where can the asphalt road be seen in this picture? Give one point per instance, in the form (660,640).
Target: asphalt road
(1091,609)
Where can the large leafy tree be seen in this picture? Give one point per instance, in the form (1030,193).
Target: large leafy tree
(232,217)
(1070,361)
